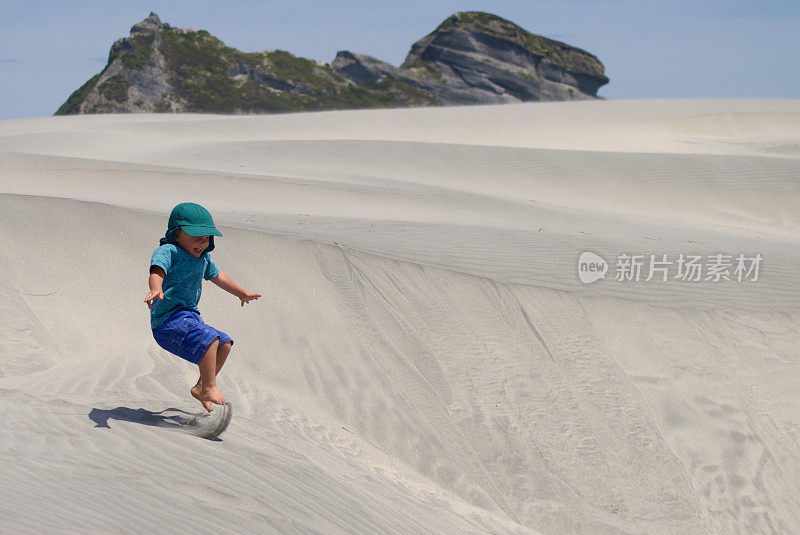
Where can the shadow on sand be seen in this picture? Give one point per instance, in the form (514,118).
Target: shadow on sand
(170,418)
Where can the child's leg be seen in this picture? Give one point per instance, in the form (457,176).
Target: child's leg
(208,392)
(222,356)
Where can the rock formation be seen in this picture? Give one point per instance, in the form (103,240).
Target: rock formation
(481,58)
(471,58)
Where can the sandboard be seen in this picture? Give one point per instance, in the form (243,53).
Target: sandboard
(211,424)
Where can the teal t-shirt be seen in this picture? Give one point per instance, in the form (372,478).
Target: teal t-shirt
(184,281)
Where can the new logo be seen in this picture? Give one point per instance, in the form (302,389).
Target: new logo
(591,267)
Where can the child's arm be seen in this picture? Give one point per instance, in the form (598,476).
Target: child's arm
(157,275)
(229,285)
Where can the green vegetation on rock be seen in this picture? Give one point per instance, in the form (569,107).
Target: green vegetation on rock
(142,50)
(162,107)
(201,66)
(73,103)
(115,88)
(291,68)
(333,74)
(402,92)
(425,69)
(199,71)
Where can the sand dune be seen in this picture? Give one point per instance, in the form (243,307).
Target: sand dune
(425,358)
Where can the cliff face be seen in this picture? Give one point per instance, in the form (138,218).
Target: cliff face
(483,58)
(471,58)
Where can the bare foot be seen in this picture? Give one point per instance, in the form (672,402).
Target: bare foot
(209,395)
(196,393)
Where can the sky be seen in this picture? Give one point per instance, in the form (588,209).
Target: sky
(650,48)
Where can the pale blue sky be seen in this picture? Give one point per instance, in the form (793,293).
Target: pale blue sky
(650,48)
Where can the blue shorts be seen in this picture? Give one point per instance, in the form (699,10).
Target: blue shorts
(186,335)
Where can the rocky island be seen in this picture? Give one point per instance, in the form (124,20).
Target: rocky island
(470,58)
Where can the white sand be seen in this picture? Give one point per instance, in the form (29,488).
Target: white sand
(425,358)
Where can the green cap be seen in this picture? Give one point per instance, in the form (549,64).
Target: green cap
(194,220)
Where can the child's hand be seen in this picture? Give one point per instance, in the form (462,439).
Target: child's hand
(229,285)
(248,296)
(155,294)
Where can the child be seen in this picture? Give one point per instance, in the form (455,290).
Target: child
(177,270)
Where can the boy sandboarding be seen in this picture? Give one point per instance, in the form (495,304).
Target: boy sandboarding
(177,269)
